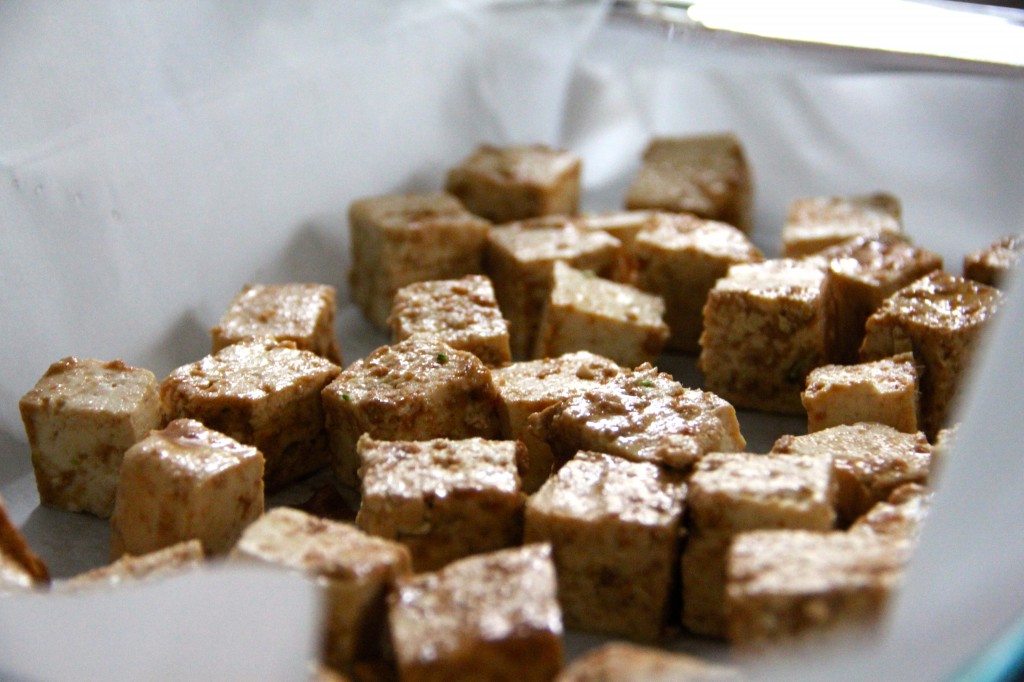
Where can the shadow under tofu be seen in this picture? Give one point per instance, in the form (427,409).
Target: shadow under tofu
(70,543)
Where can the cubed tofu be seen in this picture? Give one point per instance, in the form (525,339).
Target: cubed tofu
(864,272)
(614,526)
(586,312)
(401,239)
(21,569)
(357,570)
(80,418)
(297,312)
(902,515)
(504,184)
(680,257)
(520,259)
(186,482)
(993,263)
(785,584)
(815,223)
(418,389)
(883,391)
(263,393)
(461,312)
(939,318)
(703,174)
(443,499)
(735,492)
(642,415)
(525,388)
(871,460)
(623,225)
(766,326)
(489,617)
(626,662)
(161,563)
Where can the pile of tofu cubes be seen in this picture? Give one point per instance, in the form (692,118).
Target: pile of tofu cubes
(520,464)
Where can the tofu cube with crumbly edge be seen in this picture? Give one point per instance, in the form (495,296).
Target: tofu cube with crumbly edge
(443,499)
(629,662)
(493,616)
(615,528)
(815,223)
(357,570)
(642,415)
(297,312)
(525,388)
(864,272)
(766,326)
(680,257)
(520,260)
(261,392)
(902,515)
(162,563)
(883,391)
(504,184)
(80,417)
(993,263)
(707,175)
(585,312)
(787,584)
(462,312)
(21,569)
(400,239)
(186,482)
(870,460)
(939,318)
(418,389)
(734,492)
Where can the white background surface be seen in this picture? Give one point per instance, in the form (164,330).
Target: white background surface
(155,157)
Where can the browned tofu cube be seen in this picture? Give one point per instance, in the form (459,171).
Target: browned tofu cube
(871,460)
(992,264)
(680,257)
(525,388)
(585,312)
(418,389)
(462,312)
(883,391)
(296,312)
(766,326)
(401,239)
(703,174)
(626,662)
(443,499)
(642,415)
(735,492)
(520,259)
(939,318)
(864,272)
(623,225)
(902,515)
(488,617)
(614,526)
(815,223)
(263,393)
(784,584)
(80,417)
(504,184)
(357,571)
(161,563)
(186,482)
(21,569)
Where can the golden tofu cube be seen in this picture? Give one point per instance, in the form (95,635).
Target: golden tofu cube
(627,662)
(993,263)
(902,515)
(186,482)
(401,239)
(883,391)
(296,312)
(504,184)
(614,527)
(815,223)
(161,563)
(80,418)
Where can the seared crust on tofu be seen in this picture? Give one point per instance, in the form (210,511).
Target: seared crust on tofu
(815,223)
(626,662)
(992,264)
(884,391)
(902,515)
(130,568)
